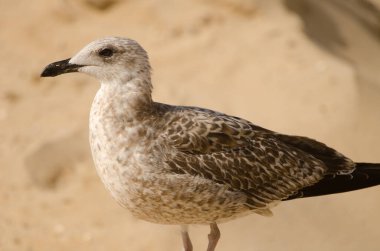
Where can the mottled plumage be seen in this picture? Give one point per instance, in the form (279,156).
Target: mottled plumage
(187,165)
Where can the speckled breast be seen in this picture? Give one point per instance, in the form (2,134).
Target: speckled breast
(153,195)
(138,179)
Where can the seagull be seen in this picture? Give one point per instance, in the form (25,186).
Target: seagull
(186,165)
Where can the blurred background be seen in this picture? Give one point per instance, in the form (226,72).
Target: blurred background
(305,67)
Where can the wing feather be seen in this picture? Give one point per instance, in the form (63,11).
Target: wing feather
(264,165)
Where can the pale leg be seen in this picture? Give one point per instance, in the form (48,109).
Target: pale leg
(213,237)
(186,238)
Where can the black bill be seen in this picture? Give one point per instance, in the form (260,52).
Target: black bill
(59,67)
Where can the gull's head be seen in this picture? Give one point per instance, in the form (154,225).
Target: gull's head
(110,59)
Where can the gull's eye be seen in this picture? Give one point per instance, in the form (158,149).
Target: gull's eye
(105,53)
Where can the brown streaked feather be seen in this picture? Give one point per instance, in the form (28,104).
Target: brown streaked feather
(335,161)
(197,130)
(262,164)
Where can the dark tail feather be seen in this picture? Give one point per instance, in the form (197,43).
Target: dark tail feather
(365,175)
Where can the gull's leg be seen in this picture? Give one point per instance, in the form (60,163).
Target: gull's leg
(186,238)
(213,237)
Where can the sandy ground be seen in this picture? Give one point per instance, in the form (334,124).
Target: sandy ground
(295,66)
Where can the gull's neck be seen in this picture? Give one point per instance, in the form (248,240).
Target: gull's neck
(131,98)
(119,114)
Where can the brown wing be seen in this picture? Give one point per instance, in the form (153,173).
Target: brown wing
(196,130)
(231,151)
(336,162)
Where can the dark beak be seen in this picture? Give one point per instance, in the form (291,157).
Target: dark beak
(60,67)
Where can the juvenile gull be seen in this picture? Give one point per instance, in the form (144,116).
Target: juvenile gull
(187,165)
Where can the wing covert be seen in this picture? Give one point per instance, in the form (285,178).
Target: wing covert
(243,157)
